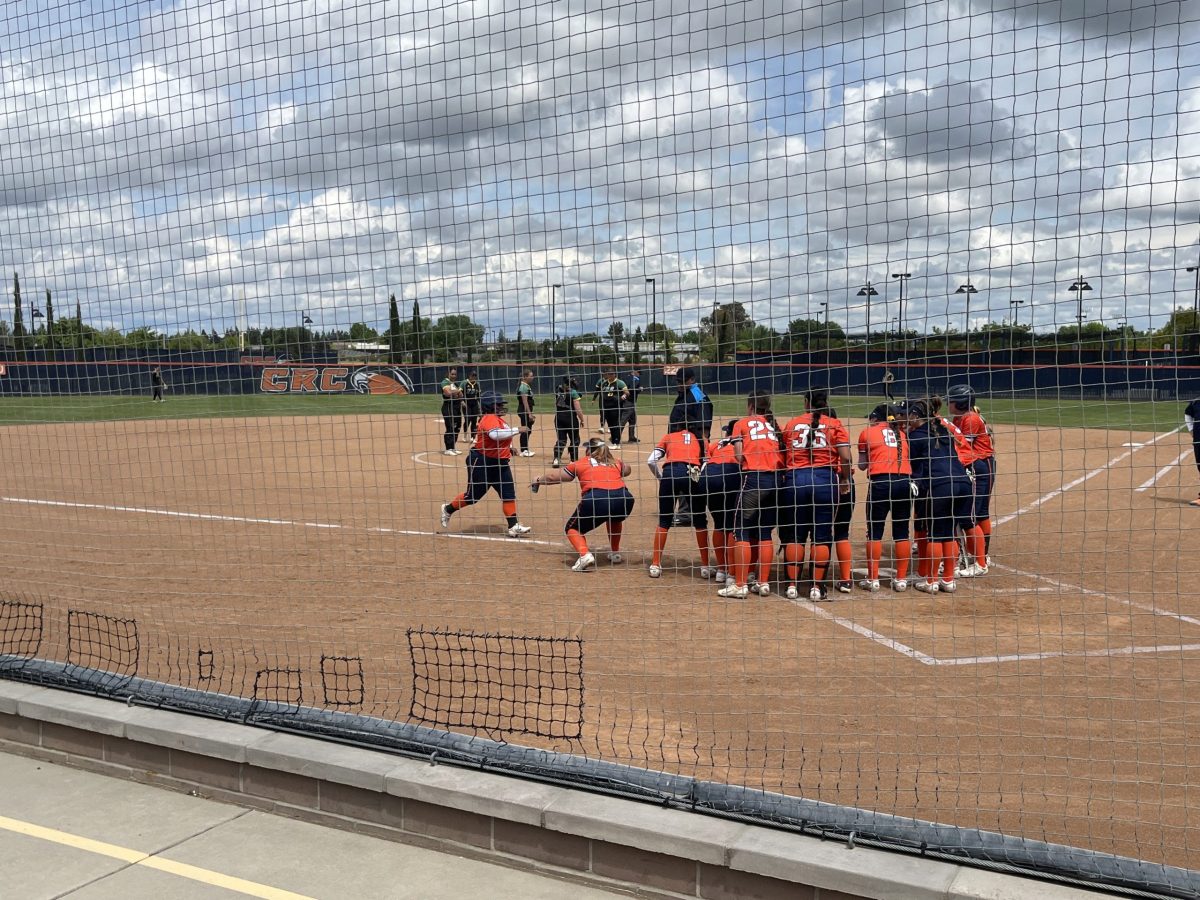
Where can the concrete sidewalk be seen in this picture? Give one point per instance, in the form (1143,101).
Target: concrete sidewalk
(69,833)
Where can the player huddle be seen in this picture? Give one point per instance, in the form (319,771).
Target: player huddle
(930,475)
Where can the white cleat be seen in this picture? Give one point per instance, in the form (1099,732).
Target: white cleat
(615,558)
(656,571)
(869,585)
(818,594)
(734,591)
(988,560)
(926,587)
(556,464)
(447,512)
(947,587)
(762,589)
(706,572)
(792,593)
(519,529)
(584,563)
(527,453)
(720,577)
(899,585)
(449,453)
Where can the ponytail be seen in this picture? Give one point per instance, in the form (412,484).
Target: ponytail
(598,449)
(817,401)
(894,425)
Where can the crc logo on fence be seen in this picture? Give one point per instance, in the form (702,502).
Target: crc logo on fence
(334,380)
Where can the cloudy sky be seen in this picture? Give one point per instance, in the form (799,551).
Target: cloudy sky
(161,161)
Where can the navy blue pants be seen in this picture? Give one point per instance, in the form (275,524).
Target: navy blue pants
(675,485)
(951,505)
(757,507)
(721,484)
(844,512)
(808,505)
(889,495)
(484,473)
(985,479)
(599,506)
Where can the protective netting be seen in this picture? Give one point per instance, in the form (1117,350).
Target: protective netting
(269,266)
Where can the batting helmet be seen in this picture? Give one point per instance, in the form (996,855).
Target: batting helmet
(492,402)
(961,395)
(882,413)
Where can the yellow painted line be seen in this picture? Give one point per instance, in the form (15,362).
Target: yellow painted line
(138,858)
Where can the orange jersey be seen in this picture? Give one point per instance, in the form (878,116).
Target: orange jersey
(591,474)
(718,455)
(680,447)
(808,448)
(886,450)
(488,446)
(760,444)
(976,432)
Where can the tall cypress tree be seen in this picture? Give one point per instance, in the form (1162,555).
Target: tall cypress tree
(393,331)
(79,322)
(416,333)
(49,320)
(18,320)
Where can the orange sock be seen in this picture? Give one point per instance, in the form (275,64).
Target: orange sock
(874,555)
(510,511)
(794,555)
(459,502)
(975,546)
(935,560)
(986,528)
(615,530)
(949,559)
(702,543)
(741,563)
(820,555)
(845,558)
(766,556)
(720,544)
(660,541)
(903,558)
(577,542)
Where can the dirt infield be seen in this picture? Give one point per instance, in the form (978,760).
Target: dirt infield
(1053,699)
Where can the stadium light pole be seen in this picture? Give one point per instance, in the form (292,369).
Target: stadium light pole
(34,313)
(554,288)
(902,277)
(1078,288)
(1195,341)
(968,289)
(1016,307)
(868,292)
(653,311)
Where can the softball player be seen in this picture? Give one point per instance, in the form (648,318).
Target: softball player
(1191,419)
(884,455)
(940,458)
(451,412)
(612,393)
(471,392)
(721,480)
(675,462)
(979,437)
(604,498)
(818,474)
(756,445)
(568,419)
(525,405)
(488,465)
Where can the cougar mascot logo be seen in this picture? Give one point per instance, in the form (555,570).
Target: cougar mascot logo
(381,381)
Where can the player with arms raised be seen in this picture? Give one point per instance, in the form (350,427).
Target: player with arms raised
(488,465)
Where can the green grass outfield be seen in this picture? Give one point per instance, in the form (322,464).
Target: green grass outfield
(1048,413)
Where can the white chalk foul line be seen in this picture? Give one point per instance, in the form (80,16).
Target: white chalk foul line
(1065,654)
(1149,483)
(1045,498)
(882,639)
(420,457)
(249,520)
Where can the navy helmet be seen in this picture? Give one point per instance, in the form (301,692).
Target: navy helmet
(493,402)
(882,413)
(961,396)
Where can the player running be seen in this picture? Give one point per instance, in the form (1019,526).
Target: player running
(884,455)
(756,445)
(817,446)
(940,458)
(979,437)
(604,500)
(488,465)
(675,462)
(721,480)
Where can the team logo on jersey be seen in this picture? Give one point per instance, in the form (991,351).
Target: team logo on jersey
(334,380)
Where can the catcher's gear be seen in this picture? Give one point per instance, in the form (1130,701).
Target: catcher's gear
(493,402)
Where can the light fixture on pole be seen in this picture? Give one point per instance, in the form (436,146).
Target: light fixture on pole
(554,288)
(34,313)
(1016,305)
(653,311)
(1195,341)
(868,292)
(968,289)
(1078,288)
(901,277)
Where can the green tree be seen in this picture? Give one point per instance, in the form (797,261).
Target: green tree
(1182,330)
(455,334)
(188,341)
(360,331)
(18,321)
(143,337)
(395,339)
(49,321)
(416,335)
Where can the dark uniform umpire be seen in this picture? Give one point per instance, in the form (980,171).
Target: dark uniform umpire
(612,393)
(693,410)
